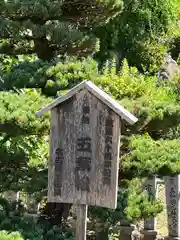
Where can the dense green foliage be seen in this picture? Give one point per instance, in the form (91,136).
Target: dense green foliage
(10,236)
(150,147)
(141,30)
(12,219)
(48,28)
(133,205)
(37,42)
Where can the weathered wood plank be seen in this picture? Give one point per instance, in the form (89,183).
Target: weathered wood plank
(87,132)
(62,98)
(111,103)
(101,95)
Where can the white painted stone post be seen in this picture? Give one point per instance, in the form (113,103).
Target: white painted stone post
(173,205)
(151,187)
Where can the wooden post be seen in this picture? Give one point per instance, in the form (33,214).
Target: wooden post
(81,223)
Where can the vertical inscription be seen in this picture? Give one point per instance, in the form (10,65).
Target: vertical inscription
(174,210)
(59,157)
(83,157)
(172,199)
(151,188)
(173,204)
(85,111)
(108,149)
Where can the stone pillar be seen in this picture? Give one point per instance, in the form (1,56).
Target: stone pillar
(12,196)
(148,234)
(129,233)
(172,184)
(151,187)
(102,234)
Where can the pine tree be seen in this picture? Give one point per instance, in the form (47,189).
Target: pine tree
(34,37)
(48,28)
(141,30)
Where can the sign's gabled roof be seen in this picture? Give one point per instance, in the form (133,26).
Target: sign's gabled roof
(101,95)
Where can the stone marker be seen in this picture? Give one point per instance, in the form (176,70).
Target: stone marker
(173,205)
(148,235)
(84,149)
(151,187)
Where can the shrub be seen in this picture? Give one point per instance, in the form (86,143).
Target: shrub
(4,235)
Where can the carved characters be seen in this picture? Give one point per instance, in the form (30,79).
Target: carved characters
(173,211)
(58,171)
(84,150)
(108,149)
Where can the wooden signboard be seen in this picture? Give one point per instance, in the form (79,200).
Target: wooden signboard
(84,152)
(84,148)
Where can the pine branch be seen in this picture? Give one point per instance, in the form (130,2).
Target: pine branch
(76,11)
(18,113)
(11,48)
